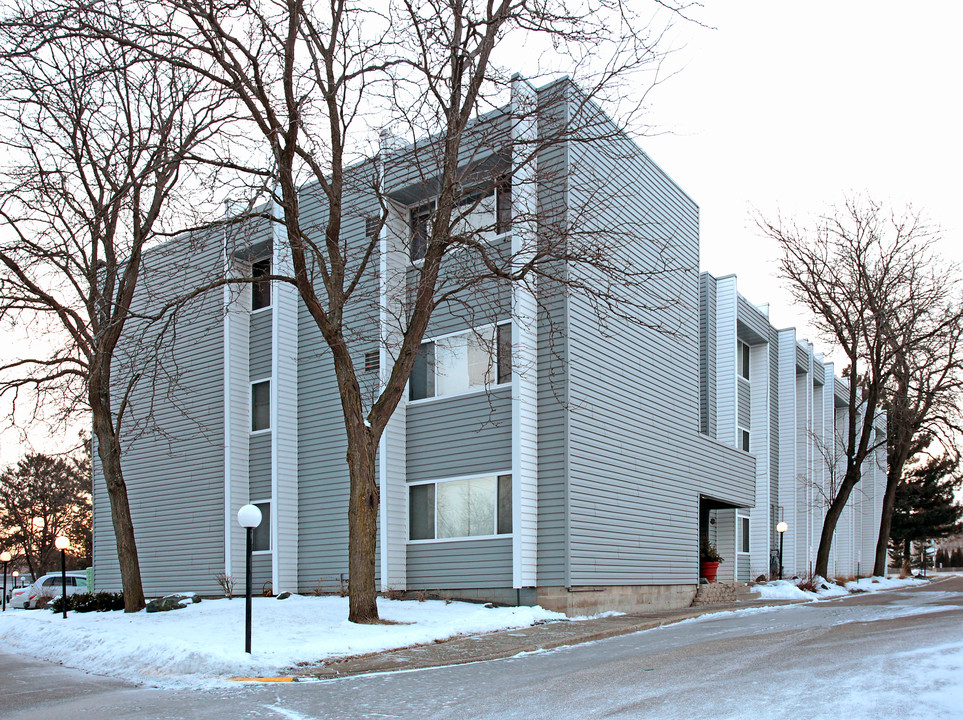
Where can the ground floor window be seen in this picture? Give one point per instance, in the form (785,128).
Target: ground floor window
(462,507)
(744,534)
(262,533)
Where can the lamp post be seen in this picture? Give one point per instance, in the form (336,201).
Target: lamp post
(249,517)
(5,558)
(781,529)
(62,543)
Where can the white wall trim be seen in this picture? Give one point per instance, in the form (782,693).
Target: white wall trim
(524,102)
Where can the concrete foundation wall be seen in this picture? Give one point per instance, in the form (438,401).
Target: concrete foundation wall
(590,600)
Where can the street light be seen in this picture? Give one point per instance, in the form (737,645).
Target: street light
(249,517)
(4,558)
(62,543)
(781,529)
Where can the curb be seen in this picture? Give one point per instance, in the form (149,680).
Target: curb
(406,659)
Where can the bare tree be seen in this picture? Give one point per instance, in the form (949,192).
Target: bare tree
(97,154)
(318,82)
(870,281)
(923,395)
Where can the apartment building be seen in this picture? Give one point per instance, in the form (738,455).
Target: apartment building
(539,456)
(770,394)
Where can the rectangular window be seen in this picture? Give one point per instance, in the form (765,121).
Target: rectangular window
(504,207)
(419,223)
(744,438)
(744,360)
(460,363)
(262,533)
(372,225)
(260,405)
(504,341)
(468,507)
(744,534)
(372,361)
(260,288)
(421,511)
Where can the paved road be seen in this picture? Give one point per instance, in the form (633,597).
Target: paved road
(864,656)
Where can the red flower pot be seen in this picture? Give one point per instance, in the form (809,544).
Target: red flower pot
(708,570)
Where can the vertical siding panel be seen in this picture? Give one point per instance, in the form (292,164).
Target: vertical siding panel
(284,420)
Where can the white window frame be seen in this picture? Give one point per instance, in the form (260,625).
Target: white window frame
(494,366)
(250,410)
(433,202)
(270,549)
(270,305)
(739,525)
(436,539)
(740,430)
(743,352)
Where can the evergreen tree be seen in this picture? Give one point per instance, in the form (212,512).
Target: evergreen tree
(925,508)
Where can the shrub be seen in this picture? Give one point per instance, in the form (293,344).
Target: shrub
(708,552)
(90,602)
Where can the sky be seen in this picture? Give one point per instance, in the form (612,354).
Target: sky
(788,108)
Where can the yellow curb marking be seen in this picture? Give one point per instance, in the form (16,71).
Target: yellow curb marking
(263,679)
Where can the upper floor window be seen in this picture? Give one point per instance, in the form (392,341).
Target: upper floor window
(744,360)
(486,212)
(260,405)
(463,362)
(260,288)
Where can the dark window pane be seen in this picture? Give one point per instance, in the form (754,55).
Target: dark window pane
(421,511)
(371,226)
(261,405)
(744,362)
(262,533)
(503,208)
(504,342)
(504,504)
(745,440)
(745,534)
(422,381)
(419,224)
(372,361)
(260,289)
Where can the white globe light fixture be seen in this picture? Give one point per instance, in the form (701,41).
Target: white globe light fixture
(62,543)
(781,529)
(248,517)
(5,558)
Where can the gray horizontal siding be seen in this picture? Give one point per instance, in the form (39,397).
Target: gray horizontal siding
(173,451)
(745,403)
(462,564)
(460,435)
(322,467)
(259,468)
(637,463)
(260,343)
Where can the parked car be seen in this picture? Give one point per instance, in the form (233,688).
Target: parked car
(50,586)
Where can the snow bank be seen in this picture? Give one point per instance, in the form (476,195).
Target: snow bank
(205,641)
(787,589)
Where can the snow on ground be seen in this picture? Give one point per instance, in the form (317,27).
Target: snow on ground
(787,589)
(204,642)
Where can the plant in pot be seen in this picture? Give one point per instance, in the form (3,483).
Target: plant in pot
(709,559)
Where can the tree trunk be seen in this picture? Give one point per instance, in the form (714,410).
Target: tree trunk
(893,476)
(832,519)
(363,527)
(108,448)
(907,568)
